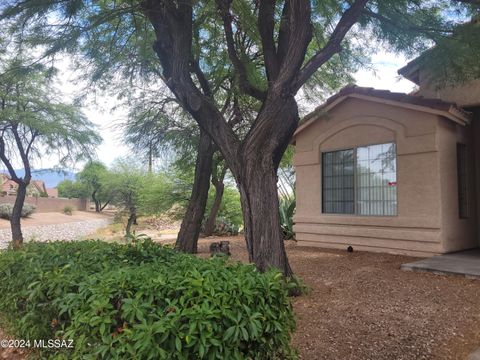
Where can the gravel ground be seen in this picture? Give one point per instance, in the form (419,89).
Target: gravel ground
(67,231)
(362,306)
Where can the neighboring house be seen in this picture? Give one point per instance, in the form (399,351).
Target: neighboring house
(391,172)
(52,192)
(36,188)
(9,187)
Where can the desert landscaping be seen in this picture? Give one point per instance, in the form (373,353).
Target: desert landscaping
(240,180)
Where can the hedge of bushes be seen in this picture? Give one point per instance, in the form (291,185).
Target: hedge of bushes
(7,209)
(143,301)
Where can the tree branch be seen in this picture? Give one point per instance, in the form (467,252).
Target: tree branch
(30,143)
(201,78)
(237,116)
(471,2)
(6,161)
(244,83)
(266,26)
(23,155)
(284,32)
(173,29)
(300,35)
(409,27)
(348,19)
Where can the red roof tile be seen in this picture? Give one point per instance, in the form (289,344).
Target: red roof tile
(436,104)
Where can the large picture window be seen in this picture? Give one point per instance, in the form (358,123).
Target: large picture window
(360,181)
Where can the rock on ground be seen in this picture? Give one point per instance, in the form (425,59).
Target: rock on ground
(66,231)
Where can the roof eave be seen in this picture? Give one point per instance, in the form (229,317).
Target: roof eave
(315,114)
(453,113)
(462,117)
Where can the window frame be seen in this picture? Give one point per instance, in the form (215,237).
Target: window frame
(355,182)
(323,182)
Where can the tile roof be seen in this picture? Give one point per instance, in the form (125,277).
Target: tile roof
(402,98)
(52,192)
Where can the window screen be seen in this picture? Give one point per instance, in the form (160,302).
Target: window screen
(462,175)
(360,181)
(338,182)
(376,180)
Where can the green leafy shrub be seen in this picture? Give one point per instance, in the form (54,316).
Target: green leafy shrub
(287,209)
(158,193)
(231,209)
(143,301)
(73,189)
(68,210)
(223,227)
(6,210)
(119,216)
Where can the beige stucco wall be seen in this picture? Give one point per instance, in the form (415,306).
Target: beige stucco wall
(423,174)
(466,94)
(458,234)
(43,204)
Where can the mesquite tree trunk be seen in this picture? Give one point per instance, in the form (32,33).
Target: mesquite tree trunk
(98,205)
(150,158)
(190,229)
(17,236)
(22,183)
(262,221)
(132,220)
(217,182)
(254,158)
(212,216)
(257,182)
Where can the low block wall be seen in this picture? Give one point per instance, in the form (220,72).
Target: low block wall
(50,204)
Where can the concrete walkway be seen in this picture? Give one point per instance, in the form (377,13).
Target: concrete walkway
(475,355)
(463,263)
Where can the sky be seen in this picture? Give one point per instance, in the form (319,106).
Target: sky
(384,76)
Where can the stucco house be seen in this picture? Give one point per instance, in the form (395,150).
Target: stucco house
(391,172)
(36,188)
(52,192)
(9,187)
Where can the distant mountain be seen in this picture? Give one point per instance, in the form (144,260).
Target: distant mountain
(49,176)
